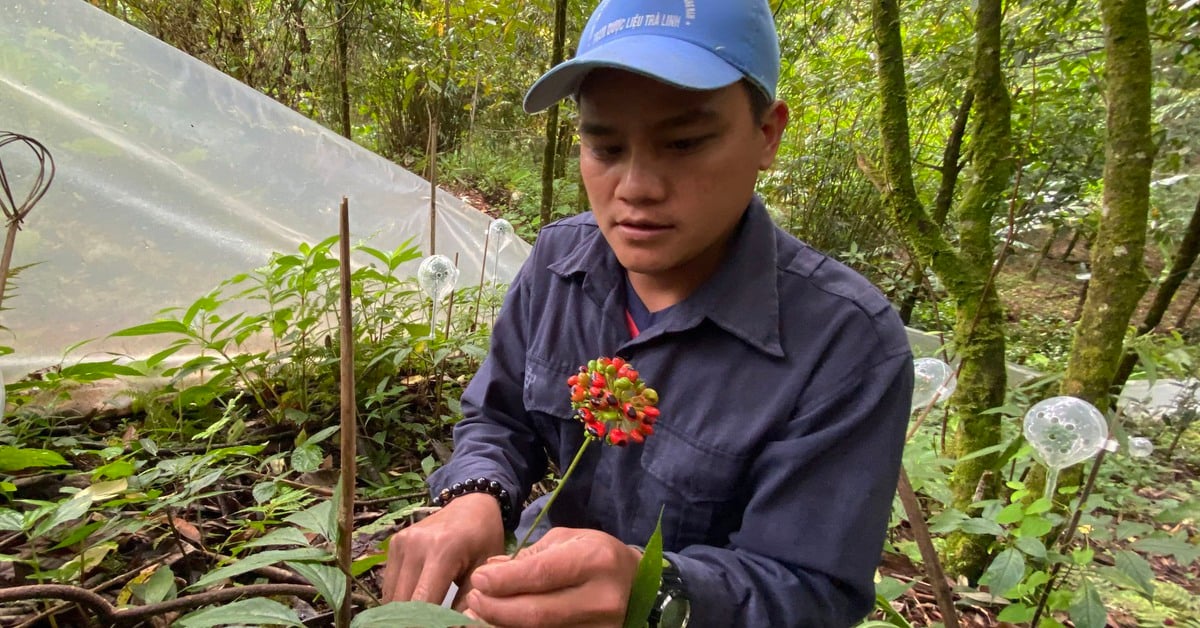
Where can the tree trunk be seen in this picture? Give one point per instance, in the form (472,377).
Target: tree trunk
(1118,273)
(966,273)
(951,167)
(548,156)
(341,11)
(1187,310)
(1181,266)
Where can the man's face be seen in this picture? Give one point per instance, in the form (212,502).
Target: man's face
(670,171)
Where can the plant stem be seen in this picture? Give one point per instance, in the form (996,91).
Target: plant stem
(553,495)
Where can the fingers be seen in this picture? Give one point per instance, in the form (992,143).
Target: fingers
(538,570)
(580,606)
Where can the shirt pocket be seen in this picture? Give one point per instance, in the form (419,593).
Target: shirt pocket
(545,387)
(698,488)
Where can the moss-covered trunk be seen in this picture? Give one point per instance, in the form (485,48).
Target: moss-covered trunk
(1118,273)
(979,333)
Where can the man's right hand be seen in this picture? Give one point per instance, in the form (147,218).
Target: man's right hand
(423,559)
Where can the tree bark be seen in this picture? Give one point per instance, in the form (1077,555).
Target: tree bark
(965,272)
(1118,273)
(341,12)
(548,156)
(951,167)
(1181,266)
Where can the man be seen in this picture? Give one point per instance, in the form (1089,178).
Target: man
(784,378)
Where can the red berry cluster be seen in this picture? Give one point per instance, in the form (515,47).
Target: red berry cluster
(613,403)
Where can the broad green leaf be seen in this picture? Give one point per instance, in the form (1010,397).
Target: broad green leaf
(1005,572)
(890,588)
(253,611)
(1136,569)
(329,581)
(11,520)
(1012,513)
(946,521)
(1016,613)
(322,435)
(157,327)
(1083,556)
(979,525)
(1185,552)
(264,491)
(1031,546)
(15,459)
(1087,609)
(67,510)
(646,581)
(1039,506)
(317,518)
(78,534)
(1035,526)
(160,586)
(306,458)
(280,536)
(114,470)
(261,559)
(422,614)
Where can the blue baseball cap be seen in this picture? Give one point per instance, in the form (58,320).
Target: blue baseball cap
(693,44)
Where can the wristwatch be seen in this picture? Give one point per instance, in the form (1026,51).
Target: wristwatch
(671,608)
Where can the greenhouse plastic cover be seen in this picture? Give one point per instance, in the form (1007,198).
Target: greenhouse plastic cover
(172,177)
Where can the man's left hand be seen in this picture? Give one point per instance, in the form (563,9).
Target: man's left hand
(571,577)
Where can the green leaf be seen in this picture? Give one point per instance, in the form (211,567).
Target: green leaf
(979,525)
(306,458)
(1032,546)
(1016,613)
(280,536)
(256,610)
(262,559)
(264,491)
(1005,572)
(114,470)
(160,586)
(360,566)
(1087,609)
(1012,513)
(11,520)
(1185,552)
(890,588)
(329,581)
(646,581)
(1083,556)
(1034,526)
(1136,569)
(68,510)
(421,614)
(15,459)
(946,521)
(1040,506)
(157,327)
(318,518)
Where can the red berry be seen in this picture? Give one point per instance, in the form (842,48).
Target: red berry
(651,411)
(618,363)
(577,394)
(572,380)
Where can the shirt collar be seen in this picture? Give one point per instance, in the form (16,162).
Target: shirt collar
(742,297)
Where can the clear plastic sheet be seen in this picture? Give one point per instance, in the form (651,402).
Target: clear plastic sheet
(170,178)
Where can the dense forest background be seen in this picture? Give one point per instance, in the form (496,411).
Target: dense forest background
(1021,177)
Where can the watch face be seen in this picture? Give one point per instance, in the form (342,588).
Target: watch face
(675,612)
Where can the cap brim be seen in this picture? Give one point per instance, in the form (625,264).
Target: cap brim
(667,59)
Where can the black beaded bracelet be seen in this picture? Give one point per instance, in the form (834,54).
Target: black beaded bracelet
(477,485)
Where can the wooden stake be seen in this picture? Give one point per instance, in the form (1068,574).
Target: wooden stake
(349,428)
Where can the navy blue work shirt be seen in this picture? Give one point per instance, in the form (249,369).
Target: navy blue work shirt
(784,384)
